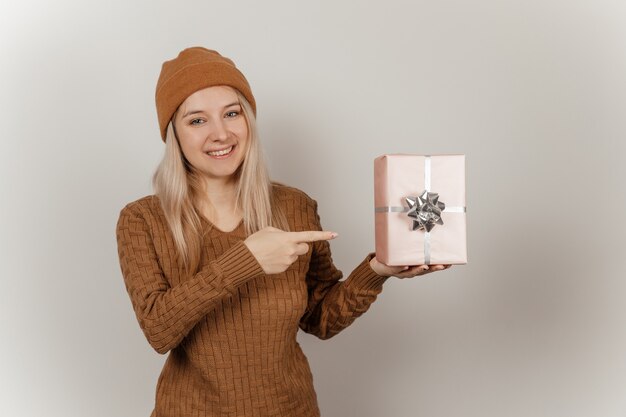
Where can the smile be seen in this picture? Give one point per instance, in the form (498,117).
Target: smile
(223,153)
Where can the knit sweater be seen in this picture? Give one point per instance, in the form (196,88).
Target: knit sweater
(230,329)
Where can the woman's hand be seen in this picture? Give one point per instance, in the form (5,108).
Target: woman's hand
(276,250)
(405,271)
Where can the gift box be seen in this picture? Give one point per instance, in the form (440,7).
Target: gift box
(420,214)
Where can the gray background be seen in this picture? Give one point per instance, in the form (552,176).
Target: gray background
(533,92)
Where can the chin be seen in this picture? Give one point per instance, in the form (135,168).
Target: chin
(221,174)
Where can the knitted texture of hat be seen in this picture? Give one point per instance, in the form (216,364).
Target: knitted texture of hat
(193,69)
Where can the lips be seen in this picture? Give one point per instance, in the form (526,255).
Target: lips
(231,147)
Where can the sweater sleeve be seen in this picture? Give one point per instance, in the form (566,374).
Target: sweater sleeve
(166,314)
(333,304)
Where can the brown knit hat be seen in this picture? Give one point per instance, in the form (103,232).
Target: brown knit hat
(193,69)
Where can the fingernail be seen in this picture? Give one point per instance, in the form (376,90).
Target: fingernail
(334,235)
(425,267)
(405,268)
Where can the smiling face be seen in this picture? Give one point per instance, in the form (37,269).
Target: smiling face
(211,120)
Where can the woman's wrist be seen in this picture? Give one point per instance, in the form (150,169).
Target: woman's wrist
(374,264)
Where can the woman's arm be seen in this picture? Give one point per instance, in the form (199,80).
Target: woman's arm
(166,314)
(333,304)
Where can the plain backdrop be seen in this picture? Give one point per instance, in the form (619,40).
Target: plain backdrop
(532,92)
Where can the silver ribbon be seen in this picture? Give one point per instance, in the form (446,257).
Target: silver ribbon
(425,210)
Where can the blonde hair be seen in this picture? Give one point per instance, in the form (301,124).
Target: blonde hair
(178,185)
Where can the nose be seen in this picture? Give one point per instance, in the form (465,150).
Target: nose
(219,131)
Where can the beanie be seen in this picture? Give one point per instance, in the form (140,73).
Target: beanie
(193,69)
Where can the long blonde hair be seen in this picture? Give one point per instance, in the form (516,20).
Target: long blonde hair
(178,185)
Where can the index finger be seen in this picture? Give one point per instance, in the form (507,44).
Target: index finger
(312,235)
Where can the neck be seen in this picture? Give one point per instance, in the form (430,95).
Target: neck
(219,194)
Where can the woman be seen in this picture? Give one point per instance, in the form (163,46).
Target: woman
(223,266)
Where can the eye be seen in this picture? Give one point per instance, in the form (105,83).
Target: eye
(196,121)
(232,113)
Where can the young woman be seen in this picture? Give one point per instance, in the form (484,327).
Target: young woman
(223,265)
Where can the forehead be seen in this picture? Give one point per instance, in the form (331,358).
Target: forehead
(214,97)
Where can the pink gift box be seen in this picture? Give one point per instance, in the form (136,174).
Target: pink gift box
(404,240)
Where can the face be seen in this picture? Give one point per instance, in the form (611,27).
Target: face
(212,120)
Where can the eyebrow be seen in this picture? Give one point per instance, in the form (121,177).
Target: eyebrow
(190,112)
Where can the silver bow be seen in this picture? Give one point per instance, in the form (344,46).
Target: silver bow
(425,210)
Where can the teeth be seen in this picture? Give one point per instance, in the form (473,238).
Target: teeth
(218,153)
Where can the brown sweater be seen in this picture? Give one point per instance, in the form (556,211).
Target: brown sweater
(231,329)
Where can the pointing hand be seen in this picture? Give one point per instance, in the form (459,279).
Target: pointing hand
(276,250)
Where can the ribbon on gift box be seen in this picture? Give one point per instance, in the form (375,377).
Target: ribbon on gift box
(425,210)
